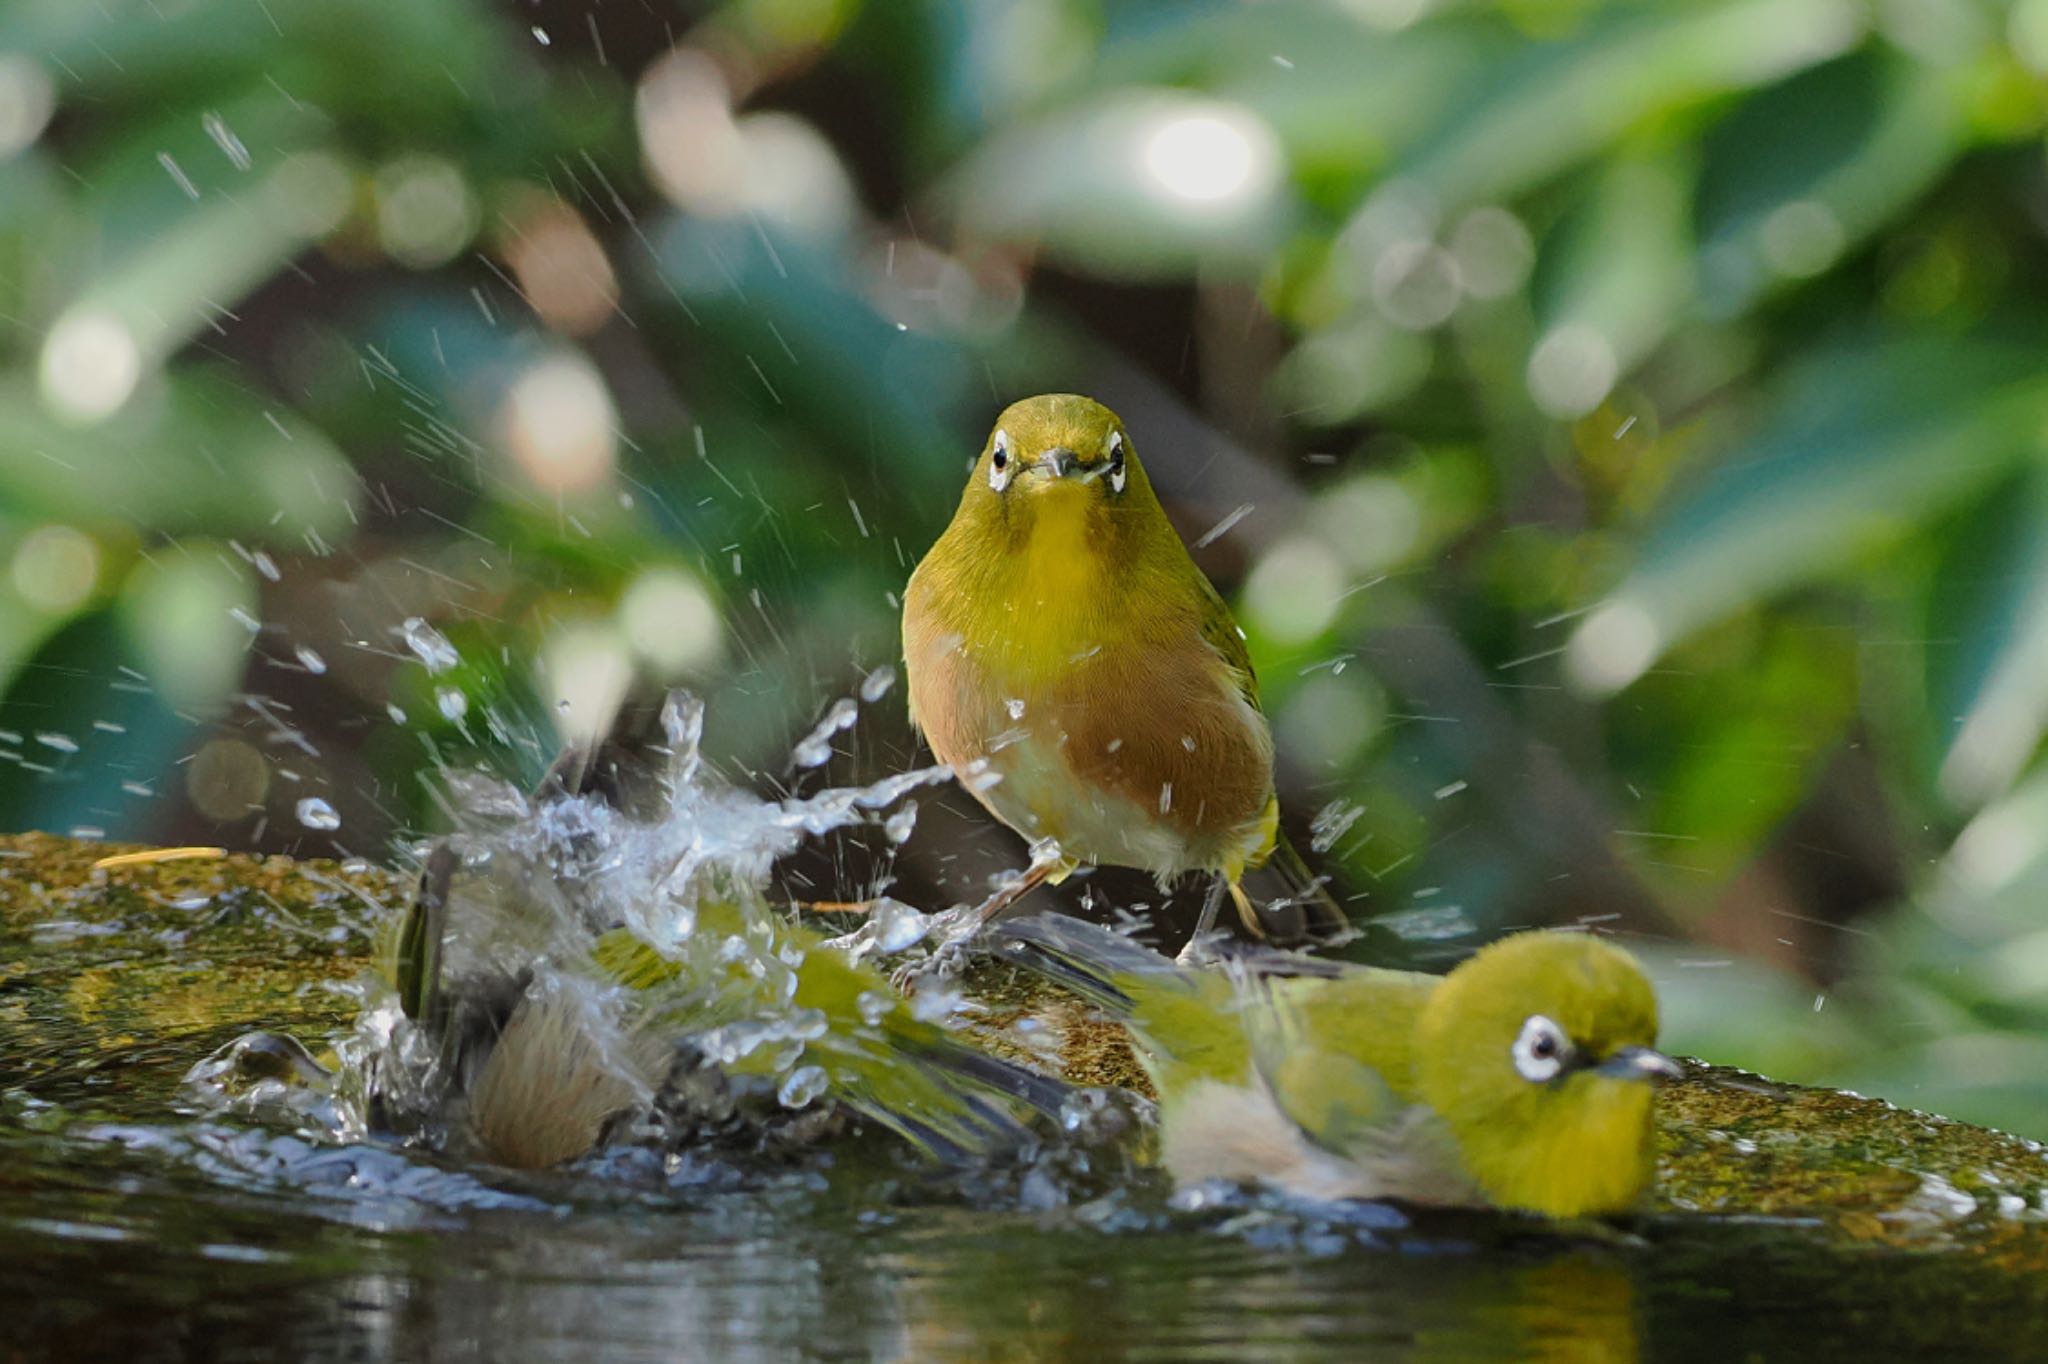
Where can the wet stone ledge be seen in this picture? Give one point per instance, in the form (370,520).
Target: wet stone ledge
(124,974)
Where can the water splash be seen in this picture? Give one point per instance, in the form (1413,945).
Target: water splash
(429,645)
(816,747)
(601,953)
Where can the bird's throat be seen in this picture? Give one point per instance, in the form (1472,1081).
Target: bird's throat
(1056,592)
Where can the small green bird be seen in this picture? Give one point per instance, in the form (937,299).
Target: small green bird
(1067,659)
(1521,1080)
(548,1016)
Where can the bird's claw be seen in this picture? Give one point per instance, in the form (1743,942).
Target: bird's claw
(946,961)
(1199,953)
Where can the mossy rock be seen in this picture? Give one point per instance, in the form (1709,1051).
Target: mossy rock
(125,974)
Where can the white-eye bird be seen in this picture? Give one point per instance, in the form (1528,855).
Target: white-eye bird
(1067,658)
(1523,1079)
(548,1016)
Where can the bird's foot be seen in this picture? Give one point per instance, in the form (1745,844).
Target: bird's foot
(1200,952)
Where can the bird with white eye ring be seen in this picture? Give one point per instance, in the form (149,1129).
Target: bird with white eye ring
(1064,654)
(1523,1079)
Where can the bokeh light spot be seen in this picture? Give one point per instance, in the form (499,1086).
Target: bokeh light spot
(27,98)
(1612,649)
(55,568)
(1801,238)
(584,670)
(90,365)
(1293,592)
(559,424)
(1214,154)
(227,780)
(1494,252)
(1571,370)
(425,210)
(671,621)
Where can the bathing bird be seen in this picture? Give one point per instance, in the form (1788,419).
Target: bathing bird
(1523,1079)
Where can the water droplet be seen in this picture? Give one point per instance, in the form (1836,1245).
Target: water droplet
(682,721)
(225,139)
(1434,924)
(397,715)
(63,743)
(900,825)
(876,684)
(1015,705)
(177,174)
(452,704)
(310,660)
(1332,822)
(540,35)
(316,813)
(816,746)
(803,1085)
(897,926)
(429,645)
(874,1006)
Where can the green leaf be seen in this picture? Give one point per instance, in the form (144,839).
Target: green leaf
(1867,442)
(194,454)
(1989,690)
(1136,183)
(97,747)
(1559,103)
(1799,174)
(1615,281)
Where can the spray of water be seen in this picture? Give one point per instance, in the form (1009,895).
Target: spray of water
(584,965)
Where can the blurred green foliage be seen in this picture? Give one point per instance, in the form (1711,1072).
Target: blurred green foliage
(1638,408)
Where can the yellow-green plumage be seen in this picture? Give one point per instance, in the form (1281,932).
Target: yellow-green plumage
(550,1020)
(1366,1083)
(1064,652)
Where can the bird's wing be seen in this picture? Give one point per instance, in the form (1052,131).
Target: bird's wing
(1219,631)
(1336,1099)
(1386,1143)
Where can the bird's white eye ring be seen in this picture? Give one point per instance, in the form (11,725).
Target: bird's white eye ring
(999,461)
(1540,1049)
(1117,473)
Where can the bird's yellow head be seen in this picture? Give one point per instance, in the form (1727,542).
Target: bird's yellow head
(1055,462)
(1057,530)
(1538,1054)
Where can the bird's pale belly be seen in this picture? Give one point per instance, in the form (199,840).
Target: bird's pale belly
(1037,793)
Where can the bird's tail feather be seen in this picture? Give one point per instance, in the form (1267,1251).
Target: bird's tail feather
(1297,906)
(944,1096)
(1084,958)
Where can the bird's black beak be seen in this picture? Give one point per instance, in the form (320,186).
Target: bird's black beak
(1639,1063)
(1060,461)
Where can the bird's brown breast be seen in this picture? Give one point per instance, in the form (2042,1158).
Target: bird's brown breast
(1157,733)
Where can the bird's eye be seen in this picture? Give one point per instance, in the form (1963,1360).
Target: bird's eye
(1116,462)
(1540,1049)
(999,462)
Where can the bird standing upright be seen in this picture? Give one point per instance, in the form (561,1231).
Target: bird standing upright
(1070,662)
